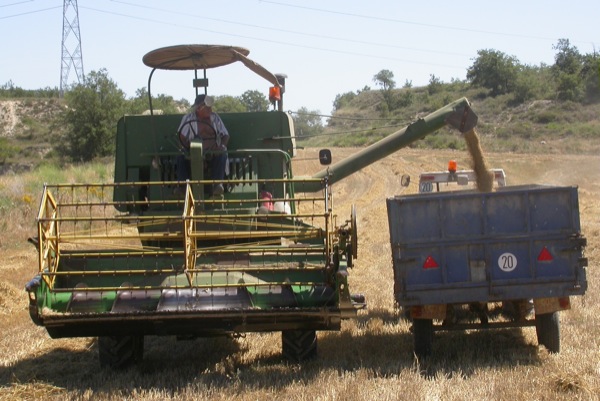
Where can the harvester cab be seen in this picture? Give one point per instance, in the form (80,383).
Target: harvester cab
(261,145)
(152,254)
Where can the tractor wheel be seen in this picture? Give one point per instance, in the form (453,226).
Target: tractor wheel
(547,327)
(120,352)
(423,337)
(299,345)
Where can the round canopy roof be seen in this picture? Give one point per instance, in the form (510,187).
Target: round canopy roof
(193,57)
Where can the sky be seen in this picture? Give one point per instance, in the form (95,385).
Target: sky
(325,47)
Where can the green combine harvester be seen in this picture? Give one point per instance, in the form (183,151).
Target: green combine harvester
(151,254)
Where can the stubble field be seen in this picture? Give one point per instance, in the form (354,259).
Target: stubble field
(370,358)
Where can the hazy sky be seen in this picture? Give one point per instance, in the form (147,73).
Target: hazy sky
(326,47)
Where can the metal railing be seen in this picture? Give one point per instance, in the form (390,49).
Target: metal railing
(192,242)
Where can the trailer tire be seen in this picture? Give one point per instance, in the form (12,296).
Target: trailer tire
(423,337)
(547,327)
(299,345)
(118,352)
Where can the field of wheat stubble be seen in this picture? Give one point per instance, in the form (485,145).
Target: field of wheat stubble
(370,358)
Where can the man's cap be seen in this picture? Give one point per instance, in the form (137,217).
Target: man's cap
(204,99)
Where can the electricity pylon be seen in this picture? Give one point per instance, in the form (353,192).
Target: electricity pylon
(71,45)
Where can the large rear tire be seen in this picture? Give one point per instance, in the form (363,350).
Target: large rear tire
(299,345)
(547,327)
(423,337)
(118,352)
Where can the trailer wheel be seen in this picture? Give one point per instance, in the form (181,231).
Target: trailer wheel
(299,345)
(423,337)
(405,313)
(117,352)
(547,327)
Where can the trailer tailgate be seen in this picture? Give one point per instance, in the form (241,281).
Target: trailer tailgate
(467,246)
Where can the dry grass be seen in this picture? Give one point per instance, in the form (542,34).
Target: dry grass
(371,358)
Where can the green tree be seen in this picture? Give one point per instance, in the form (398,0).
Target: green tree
(385,79)
(532,83)
(343,100)
(166,104)
(590,75)
(568,87)
(566,71)
(494,70)
(9,90)
(567,59)
(406,97)
(228,104)
(307,123)
(366,88)
(139,103)
(255,100)
(94,108)
(435,85)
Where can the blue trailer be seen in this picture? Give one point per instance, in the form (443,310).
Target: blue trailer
(460,253)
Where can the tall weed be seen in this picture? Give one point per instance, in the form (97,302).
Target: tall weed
(20,195)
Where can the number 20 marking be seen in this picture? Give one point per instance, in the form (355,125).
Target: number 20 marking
(507,262)
(425,187)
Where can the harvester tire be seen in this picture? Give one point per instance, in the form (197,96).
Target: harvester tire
(423,337)
(547,327)
(118,352)
(299,345)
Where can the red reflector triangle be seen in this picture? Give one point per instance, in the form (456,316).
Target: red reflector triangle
(430,263)
(545,256)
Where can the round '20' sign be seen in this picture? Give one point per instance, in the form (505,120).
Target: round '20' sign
(507,262)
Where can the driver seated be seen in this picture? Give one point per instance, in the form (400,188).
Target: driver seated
(204,124)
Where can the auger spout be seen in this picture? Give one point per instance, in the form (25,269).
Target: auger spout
(457,114)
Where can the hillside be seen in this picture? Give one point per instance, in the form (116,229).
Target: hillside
(537,126)
(29,127)
(27,130)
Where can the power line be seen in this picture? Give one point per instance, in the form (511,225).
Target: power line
(340,117)
(372,130)
(15,4)
(29,12)
(318,36)
(271,40)
(386,19)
